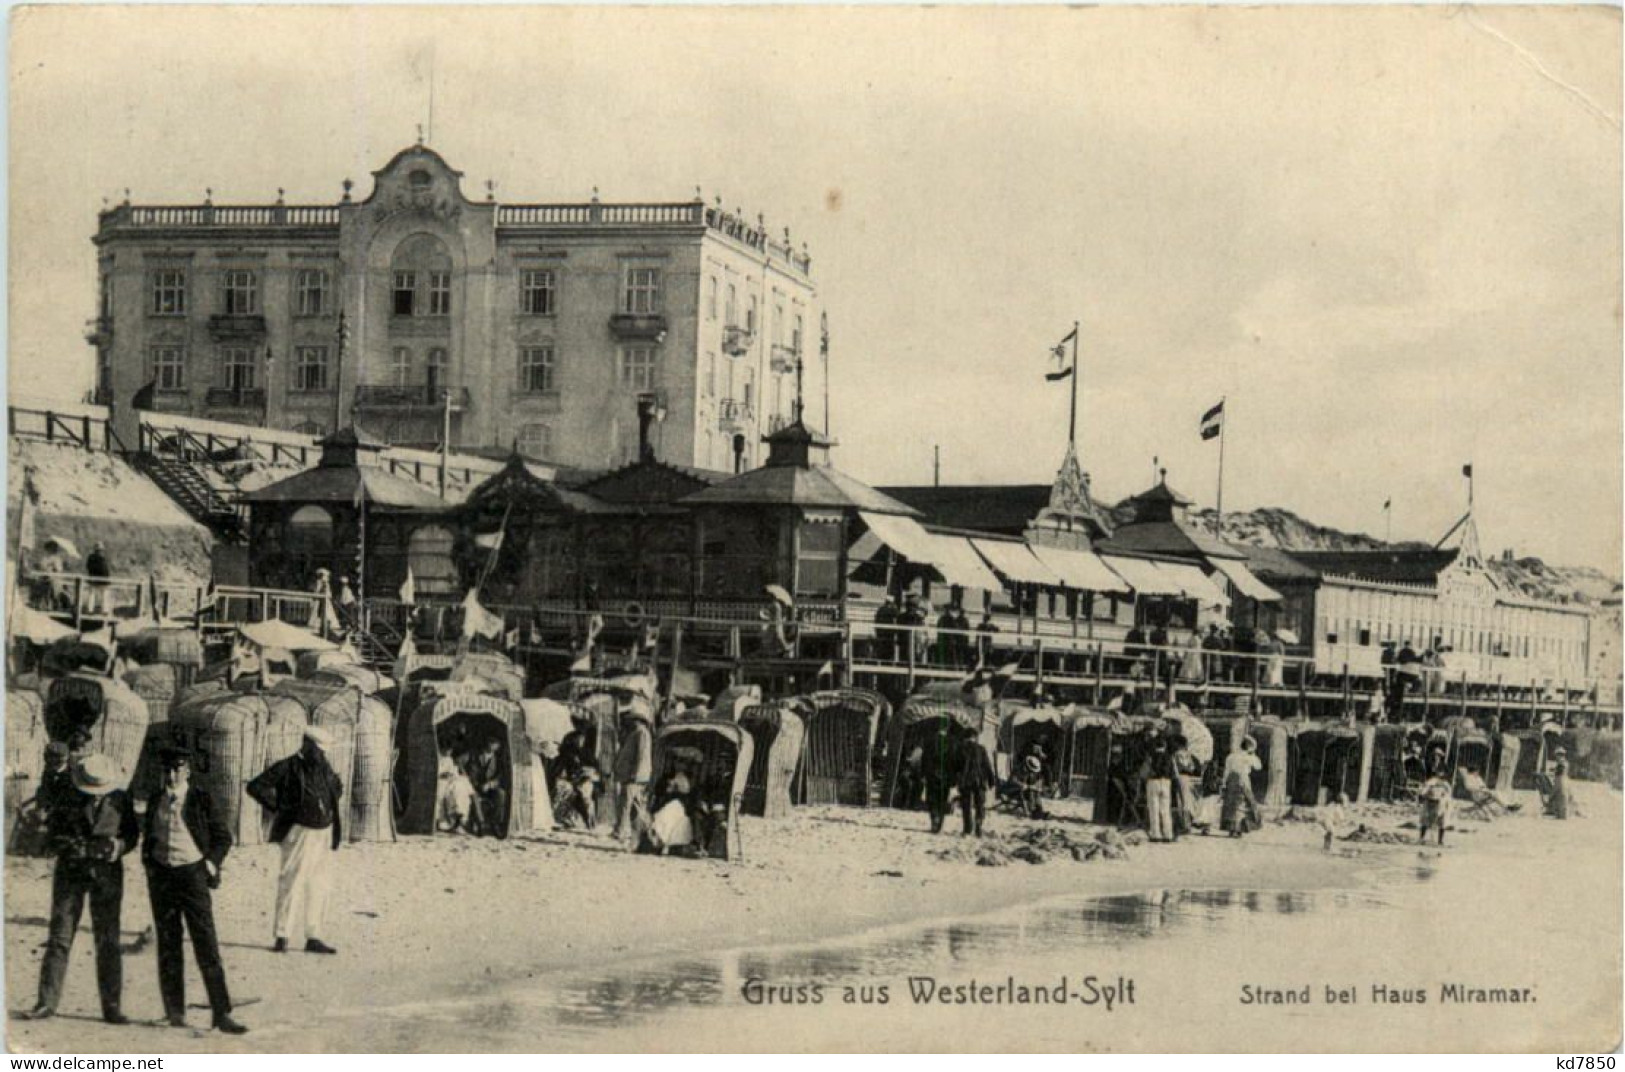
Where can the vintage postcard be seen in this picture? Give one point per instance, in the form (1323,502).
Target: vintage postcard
(813,528)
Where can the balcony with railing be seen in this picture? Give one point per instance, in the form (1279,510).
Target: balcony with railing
(638,325)
(226,327)
(221,216)
(735,340)
(416,396)
(733,415)
(244,398)
(783,358)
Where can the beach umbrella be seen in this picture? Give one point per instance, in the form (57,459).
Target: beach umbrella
(1198,738)
(63,544)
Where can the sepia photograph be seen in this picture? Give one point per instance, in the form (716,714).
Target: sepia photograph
(811,528)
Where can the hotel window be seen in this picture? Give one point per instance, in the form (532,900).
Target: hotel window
(795,337)
(310,368)
(107,296)
(535,440)
(169,368)
(750,388)
(237,367)
(439,293)
(538,295)
(169,292)
(241,295)
(711,300)
(400,366)
(638,368)
(710,375)
(536,369)
(310,291)
(642,294)
(435,372)
(750,315)
(731,319)
(405,291)
(778,324)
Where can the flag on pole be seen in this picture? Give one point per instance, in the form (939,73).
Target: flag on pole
(511,641)
(406,659)
(477,621)
(1467,470)
(1386,503)
(825,671)
(409,588)
(490,541)
(1058,351)
(1213,422)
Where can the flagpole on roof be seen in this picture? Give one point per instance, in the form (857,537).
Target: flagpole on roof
(1072,428)
(1218,511)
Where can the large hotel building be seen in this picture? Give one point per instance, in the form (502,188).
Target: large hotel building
(556,328)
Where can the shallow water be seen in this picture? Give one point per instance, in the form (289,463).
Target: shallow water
(1181,963)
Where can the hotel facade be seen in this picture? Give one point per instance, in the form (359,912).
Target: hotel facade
(557,328)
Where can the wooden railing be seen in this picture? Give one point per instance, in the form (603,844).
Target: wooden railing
(88,603)
(80,426)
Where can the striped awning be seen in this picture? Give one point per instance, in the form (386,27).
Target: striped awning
(1142,576)
(1016,562)
(1081,570)
(952,557)
(1193,583)
(1247,584)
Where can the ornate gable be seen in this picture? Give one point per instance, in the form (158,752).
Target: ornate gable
(417,182)
(1071,519)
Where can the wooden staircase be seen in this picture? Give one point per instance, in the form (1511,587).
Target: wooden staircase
(183,482)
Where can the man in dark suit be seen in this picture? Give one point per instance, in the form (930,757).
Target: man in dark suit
(183,847)
(91,826)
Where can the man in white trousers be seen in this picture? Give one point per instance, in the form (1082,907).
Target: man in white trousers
(302,792)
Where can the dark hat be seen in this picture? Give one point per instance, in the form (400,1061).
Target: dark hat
(171,754)
(57,750)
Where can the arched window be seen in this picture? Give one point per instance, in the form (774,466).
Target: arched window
(310,531)
(428,552)
(536,440)
(420,273)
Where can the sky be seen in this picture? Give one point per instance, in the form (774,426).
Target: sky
(1389,238)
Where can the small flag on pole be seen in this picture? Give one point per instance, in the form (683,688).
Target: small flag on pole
(1386,503)
(1467,470)
(1058,351)
(1213,422)
(825,671)
(409,588)
(490,541)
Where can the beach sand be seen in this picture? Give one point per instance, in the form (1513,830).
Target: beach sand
(449,918)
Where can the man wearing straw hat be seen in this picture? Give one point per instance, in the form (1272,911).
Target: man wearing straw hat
(92,826)
(185,844)
(302,793)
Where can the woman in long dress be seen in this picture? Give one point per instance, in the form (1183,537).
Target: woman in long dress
(1240,809)
(1557,805)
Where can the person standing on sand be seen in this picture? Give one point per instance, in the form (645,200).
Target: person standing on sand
(1435,809)
(976,779)
(1239,807)
(92,825)
(939,774)
(302,793)
(183,847)
(633,769)
(1159,789)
